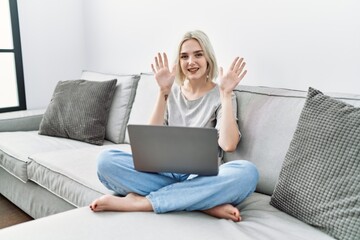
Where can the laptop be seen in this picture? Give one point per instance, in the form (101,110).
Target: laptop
(174,149)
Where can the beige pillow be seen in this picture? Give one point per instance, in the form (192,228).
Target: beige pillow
(121,104)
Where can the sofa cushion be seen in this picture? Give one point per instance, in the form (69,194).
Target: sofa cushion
(319,180)
(260,221)
(263,221)
(267,120)
(15,147)
(121,104)
(144,102)
(70,174)
(79,110)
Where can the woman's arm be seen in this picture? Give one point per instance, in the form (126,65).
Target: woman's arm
(165,80)
(157,116)
(229,132)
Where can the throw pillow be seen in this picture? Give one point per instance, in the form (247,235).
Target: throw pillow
(319,182)
(79,110)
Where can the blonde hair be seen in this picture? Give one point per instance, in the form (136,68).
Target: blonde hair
(209,54)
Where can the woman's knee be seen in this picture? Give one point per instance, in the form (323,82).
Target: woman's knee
(107,160)
(103,161)
(250,168)
(244,171)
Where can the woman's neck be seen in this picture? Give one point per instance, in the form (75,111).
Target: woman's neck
(195,89)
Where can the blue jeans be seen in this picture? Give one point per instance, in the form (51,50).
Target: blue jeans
(178,192)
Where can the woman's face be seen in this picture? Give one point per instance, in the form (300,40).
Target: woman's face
(192,60)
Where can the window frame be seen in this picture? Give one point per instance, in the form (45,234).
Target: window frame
(18,58)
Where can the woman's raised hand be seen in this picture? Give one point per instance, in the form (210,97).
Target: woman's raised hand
(234,75)
(163,76)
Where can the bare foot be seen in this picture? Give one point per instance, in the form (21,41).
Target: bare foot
(225,211)
(131,203)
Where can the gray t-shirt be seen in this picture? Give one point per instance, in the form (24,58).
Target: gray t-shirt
(202,112)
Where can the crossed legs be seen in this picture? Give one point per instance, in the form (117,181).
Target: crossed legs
(165,192)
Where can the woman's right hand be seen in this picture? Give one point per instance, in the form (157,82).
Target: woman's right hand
(163,76)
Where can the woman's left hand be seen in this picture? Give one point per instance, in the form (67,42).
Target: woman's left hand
(232,78)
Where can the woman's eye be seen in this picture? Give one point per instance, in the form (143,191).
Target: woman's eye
(183,57)
(199,55)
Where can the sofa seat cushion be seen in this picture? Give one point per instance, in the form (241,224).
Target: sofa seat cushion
(70,174)
(263,221)
(15,147)
(260,221)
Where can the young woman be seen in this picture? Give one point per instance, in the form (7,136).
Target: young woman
(195,101)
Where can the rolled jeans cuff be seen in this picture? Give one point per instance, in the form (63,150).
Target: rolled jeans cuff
(154,203)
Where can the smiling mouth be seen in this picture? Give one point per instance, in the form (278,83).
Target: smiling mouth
(193,70)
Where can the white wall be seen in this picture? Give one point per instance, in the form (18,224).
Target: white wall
(52,39)
(288,44)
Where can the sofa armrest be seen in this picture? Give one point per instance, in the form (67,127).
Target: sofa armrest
(27,120)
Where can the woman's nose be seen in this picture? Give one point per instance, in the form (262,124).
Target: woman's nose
(190,60)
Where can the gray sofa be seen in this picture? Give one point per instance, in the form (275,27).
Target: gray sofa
(54,179)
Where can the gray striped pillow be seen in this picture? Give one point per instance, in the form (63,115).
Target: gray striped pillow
(79,110)
(319,182)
